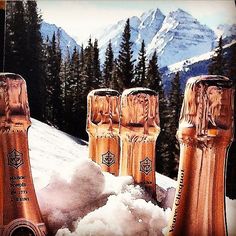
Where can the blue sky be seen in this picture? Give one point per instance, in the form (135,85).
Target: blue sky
(82,17)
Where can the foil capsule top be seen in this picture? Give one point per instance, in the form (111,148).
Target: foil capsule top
(14,107)
(103,112)
(139,109)
(208,105)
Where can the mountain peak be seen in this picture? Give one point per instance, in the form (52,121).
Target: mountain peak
(181,16)
(151,15)
(66,41)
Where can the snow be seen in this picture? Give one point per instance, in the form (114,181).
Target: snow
(53,151)
(77,198)
(183,65)
(66,41)
(176,40)
(231,216)
(226,30)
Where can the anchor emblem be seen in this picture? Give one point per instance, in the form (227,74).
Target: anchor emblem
(108,159)
(15,159)
(146,166)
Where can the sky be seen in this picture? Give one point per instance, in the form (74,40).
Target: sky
(80,18)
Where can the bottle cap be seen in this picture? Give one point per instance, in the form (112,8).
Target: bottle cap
(14,107)
(103,111)
(139,108)
(208,105)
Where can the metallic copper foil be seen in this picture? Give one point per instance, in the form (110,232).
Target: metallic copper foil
(103,129)
(205,133)
(2,4)
(19,209)
(139,128)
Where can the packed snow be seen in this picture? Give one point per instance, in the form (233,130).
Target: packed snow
(77,198)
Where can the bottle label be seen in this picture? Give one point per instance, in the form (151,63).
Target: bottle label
(177,200)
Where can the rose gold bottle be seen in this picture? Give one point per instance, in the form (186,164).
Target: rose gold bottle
(139,128)
(103,128)
(205,133)
(19,210)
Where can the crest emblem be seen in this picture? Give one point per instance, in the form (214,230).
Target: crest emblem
(15,159)
(146,166)
(108,159)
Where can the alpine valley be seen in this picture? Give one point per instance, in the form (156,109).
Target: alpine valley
(181,41)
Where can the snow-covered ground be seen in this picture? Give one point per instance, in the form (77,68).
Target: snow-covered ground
(78,199)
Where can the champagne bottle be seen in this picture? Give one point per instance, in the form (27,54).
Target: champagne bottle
(205,133)
(103,129)
(19,210)
(139,128)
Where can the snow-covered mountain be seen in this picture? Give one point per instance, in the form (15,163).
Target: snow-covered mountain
(228,32)
(175,37)
(66,41)
(194,66)
(181,37)
(74,193)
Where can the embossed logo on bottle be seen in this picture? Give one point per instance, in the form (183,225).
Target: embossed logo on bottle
(146,166)
(108,158)
(15,159)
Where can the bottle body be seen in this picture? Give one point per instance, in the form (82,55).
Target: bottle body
(204,134)
(139,161)
(19,209)
(20,206)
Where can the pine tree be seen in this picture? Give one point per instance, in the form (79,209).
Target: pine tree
(96,65)
(35,67)
(16,38)
(53,84)
(154,81)
(125,62)
(116,83)
(231,164)
(67,99)
(88,66)
(78,90)
(108,66)
(217,66)
(231,64)
(24,51)
(82,96)
(175,103)
(140,69)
